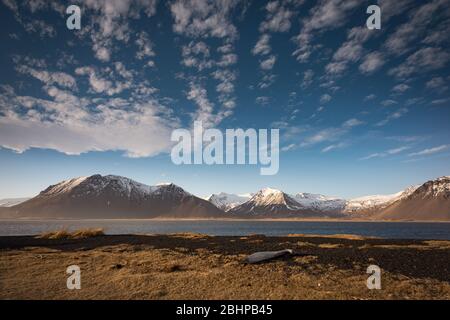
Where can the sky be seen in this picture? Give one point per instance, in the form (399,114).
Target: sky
(359,111)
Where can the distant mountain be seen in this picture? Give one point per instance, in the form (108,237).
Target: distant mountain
(227,201)
(370,204)
(430,201)
(271,203)
(320,203)
(113,197)
(12,201)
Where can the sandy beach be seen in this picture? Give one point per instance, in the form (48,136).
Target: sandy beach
(192,266)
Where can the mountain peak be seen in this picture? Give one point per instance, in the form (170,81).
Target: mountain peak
(269,201)
(63,186)
(270,190)
(227,201)
(434,188)
(170,188)
(112,196)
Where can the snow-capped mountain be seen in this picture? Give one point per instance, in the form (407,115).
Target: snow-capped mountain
(318,202)
(435,188)
(430,201)
(96,185)
(275,203)
(119,197)
(375,202)
(113,197)
(269,202)
(227,201)
(12,202)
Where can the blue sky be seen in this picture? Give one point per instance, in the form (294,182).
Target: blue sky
(359,111)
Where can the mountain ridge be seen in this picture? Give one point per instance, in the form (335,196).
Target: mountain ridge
(113,196)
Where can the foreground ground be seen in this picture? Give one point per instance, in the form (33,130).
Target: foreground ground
(188,266)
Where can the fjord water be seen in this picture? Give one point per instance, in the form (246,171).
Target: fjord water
(392,230)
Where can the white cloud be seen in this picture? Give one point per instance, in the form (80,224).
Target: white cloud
(391,8)
(400,41)
(425,59)
(227,60)
(66,123)
(370,97)
(145,48)
(268,63)
(278,18)
(336,68)
(41,27)
(325,98)
(262,46)
(392,116)
(350,123)
(108,21)
(101,84)
(372,62)
(397,150)
(307,78)
(429,151)
(49,78)
(266,81)
(350,51)
(437,83)
(400,88)
(204,18)
(324,135)
(386,153)
(438,35)
(325,15)
(263,100)
(199,95)
(388,102)
(440,101)
(289,147)
(12,5)
(334,147)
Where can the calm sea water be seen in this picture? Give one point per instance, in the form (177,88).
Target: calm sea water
(399,230)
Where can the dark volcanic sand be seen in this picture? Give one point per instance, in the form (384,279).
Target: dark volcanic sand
(190,266)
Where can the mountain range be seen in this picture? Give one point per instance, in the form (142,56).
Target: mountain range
(111,196)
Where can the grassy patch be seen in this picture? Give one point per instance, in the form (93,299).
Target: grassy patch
(77,234)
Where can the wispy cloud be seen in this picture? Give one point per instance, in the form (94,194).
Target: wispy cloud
(392,116)
(336,13)
(425,59)
(400,88)
(334,147)
(430,151)
(386,153)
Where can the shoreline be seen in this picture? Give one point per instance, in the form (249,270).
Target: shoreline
(227,219)
(183,266)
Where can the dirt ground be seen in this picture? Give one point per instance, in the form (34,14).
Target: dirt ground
(189,266)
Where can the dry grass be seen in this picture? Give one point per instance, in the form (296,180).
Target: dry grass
(174,267)
(77,234)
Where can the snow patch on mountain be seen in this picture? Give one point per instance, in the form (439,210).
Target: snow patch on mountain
(377,201)
(269,196)
(268,200)
(227,201)
(435,188)
(96,184)
(319,202)
(12,201)
(63,187)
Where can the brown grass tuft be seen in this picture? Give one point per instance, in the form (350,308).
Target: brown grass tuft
(77,234)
